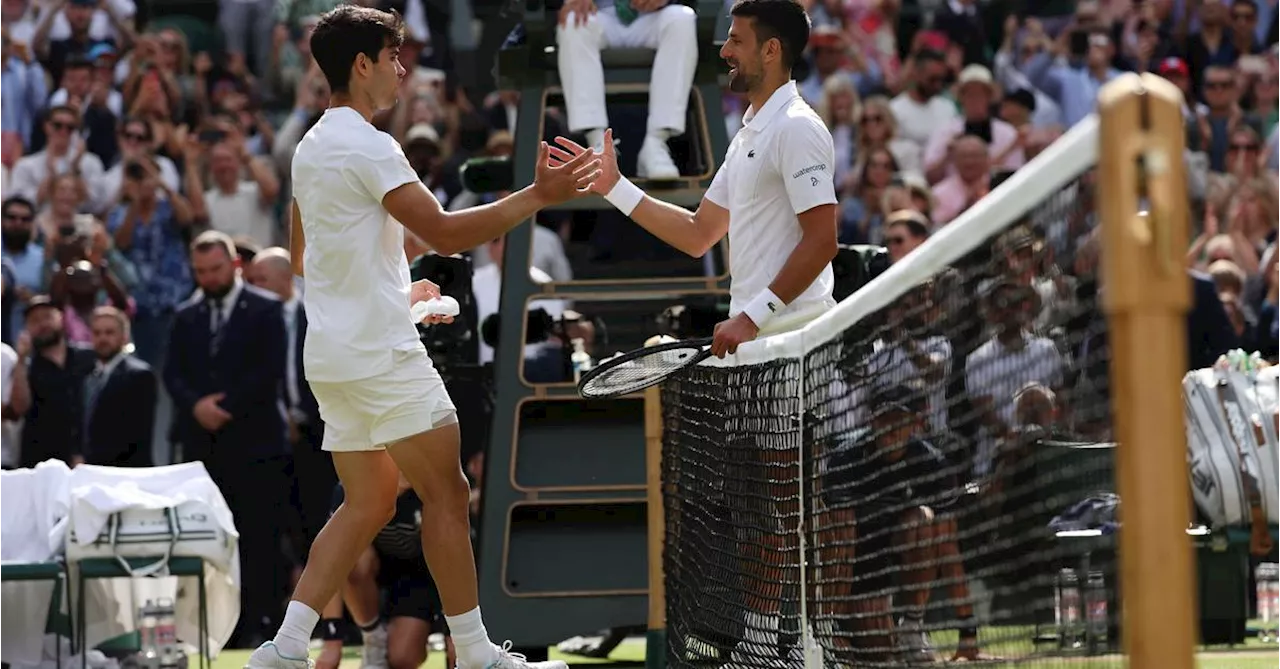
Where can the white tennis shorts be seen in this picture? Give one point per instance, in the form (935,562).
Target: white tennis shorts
(368,414)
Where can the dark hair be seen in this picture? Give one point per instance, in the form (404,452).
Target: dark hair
(212,239)
(784,20)
(62,109)
(17,199)
(136,120)
(76,62)
(1250,3)
(348,31)
(929,56)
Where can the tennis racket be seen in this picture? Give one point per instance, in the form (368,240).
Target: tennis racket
(636,370)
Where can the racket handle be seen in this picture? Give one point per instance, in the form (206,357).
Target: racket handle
(436,306)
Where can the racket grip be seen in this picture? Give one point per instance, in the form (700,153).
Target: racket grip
(436,306)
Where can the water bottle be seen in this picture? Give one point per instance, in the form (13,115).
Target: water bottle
(581,359)
(1096,605)
(1068,608)
(1271,629)
(166,634)
(1262,577)
(149,652)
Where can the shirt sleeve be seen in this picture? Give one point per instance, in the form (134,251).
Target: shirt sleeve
(718,193)
(807,159)
(382,168)
(8,359)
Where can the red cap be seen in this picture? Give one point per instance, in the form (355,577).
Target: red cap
(1173,65)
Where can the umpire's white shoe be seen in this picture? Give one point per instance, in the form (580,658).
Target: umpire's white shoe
(268,656)
(654,160)
(509,660)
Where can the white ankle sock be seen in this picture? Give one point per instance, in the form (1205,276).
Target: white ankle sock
(471,640)
(294,637)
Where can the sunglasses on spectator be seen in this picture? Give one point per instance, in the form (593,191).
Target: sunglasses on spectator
(62,126)
(882,164)
(19,218)
(1244,16)
(1244,147)
(1217,84)
(134,136)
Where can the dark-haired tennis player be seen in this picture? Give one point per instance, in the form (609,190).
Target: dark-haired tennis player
(775,198)
(384,406)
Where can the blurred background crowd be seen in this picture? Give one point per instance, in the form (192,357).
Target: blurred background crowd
(134,133)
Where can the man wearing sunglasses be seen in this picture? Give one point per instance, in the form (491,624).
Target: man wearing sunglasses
(63,153)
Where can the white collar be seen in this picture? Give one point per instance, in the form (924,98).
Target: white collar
(757,120)
(229,300)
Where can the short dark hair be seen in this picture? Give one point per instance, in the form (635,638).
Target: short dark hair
(62,109)
(346,32)
(16,199)
(929,56)
(785,20)
(76,61)
(212,239)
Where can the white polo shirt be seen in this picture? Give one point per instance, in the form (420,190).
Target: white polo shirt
(357,297)
(779,165)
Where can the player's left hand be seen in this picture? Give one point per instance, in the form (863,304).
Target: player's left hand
(731,333)
(421,291)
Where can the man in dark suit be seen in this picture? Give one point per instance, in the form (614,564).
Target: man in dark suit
(119,397)
(225,367)
(1209,332)
(313,473)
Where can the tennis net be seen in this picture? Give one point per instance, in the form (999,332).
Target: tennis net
(922,473)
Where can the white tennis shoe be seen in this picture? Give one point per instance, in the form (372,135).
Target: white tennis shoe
(267,656)
(373,655)
(509,660)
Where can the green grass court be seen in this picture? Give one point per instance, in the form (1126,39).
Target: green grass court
(1251,656)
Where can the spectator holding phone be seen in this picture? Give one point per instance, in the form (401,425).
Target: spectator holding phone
(136,140)
(149,230)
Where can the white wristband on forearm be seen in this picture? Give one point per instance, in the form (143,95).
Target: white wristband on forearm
(763,308)
(625,195)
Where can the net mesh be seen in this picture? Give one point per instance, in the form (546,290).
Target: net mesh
(930,477)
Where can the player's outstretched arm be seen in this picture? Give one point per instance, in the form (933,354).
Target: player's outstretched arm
(454,232)
(691,232)
(297,243)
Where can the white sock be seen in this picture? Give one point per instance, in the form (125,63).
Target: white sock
(762,629)
(372,627)
(471,640)
(595,137)
(294,637)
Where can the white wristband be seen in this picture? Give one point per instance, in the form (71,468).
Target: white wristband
(763,308)
(625,195)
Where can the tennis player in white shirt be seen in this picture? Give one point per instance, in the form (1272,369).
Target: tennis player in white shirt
(774,195)
(384,406)
(775,198)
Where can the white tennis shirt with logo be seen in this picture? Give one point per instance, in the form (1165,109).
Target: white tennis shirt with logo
(779,165)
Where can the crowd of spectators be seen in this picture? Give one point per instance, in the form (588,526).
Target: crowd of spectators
(123,144)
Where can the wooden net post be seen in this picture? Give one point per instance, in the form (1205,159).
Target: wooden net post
(655,656)
(1143,205)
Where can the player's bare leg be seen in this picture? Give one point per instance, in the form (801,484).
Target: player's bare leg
(360,594)
(369,485)
(920,568)
(951,568)
(432,463)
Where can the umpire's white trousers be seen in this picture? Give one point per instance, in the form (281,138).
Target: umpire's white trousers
(672,31)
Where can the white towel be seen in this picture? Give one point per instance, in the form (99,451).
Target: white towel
(32,505)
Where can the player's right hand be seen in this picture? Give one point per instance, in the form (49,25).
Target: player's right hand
(609,173)
(561,181)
